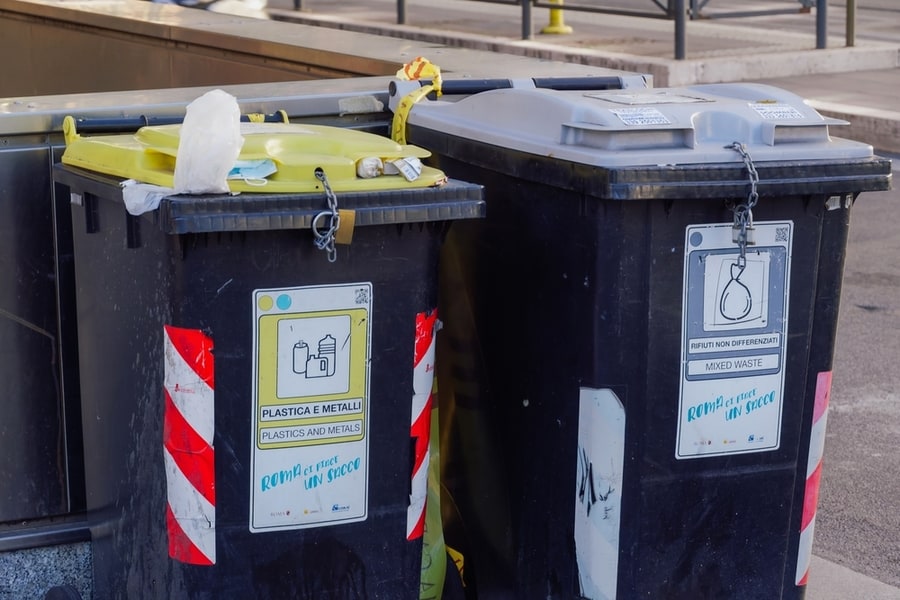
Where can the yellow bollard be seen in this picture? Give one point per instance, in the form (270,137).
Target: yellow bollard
(556,20)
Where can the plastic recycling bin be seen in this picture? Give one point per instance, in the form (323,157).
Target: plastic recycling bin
(248,401)
(639,335)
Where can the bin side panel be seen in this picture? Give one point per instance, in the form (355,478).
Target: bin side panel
(682,501)
(832,252)
(33,461)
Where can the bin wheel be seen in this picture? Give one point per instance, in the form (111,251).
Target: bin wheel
(62,592)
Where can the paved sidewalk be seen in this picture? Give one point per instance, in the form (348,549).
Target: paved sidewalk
(857,84)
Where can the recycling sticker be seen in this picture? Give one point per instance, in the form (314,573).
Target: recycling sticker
(734,334)
(310,416)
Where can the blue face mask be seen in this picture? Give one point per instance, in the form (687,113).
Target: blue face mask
(253,172)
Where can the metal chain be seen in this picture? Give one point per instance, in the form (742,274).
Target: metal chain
(325,240)
(743,212)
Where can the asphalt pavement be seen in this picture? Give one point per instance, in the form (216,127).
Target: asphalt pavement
(855,77)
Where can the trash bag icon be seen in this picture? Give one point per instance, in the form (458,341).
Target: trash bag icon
(736,301)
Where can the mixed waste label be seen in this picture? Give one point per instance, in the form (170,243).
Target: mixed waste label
(734,333)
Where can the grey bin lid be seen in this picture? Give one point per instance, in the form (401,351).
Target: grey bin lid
(641,127)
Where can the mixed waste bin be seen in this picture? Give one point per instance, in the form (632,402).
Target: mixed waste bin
(639,335)
(251,388)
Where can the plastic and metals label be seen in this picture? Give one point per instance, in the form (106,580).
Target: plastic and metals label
(733,338)
(310,406)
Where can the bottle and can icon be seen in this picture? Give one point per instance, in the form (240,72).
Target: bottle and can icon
(321,364)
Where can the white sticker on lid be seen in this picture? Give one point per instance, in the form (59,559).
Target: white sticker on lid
(641,116)
(776,111)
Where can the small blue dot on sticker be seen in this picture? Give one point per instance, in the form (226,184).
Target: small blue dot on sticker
(696,238)
(283,302)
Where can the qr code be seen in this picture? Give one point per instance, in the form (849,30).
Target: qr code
(781,234)
(362,296)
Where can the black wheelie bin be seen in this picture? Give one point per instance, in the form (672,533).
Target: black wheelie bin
(639,336)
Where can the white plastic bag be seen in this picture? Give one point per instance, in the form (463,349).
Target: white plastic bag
(142,197)
(210,143)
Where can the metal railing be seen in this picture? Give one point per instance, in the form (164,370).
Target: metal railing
(678,11)
(681,11)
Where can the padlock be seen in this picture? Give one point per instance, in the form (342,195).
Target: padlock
(747,232)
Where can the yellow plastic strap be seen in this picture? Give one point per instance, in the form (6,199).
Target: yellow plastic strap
(419,68)
(398,126)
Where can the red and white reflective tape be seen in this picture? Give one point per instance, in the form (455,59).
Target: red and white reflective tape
(813,476)
(188,427)
(420,423)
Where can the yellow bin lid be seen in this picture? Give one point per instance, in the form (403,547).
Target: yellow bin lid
(297,150)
